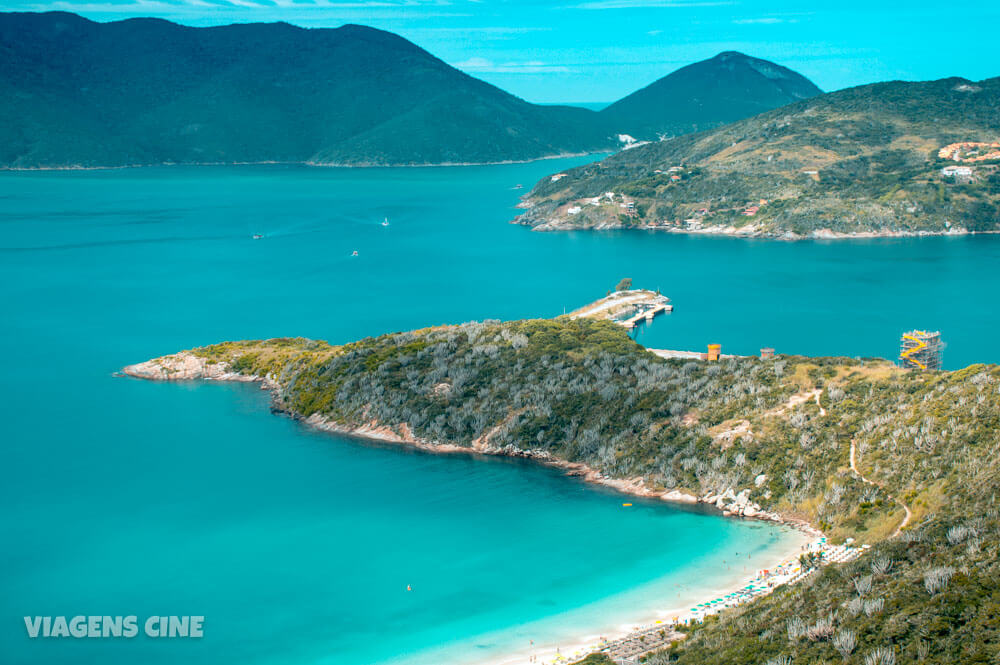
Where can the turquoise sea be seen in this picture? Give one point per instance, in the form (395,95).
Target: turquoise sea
(119,496)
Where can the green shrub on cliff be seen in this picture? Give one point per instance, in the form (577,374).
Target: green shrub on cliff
(779,430)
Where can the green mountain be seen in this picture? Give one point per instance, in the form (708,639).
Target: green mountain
(731,86)
(903,461)
(875,159)
(147,91)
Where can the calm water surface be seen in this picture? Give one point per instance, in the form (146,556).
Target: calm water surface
(125,497)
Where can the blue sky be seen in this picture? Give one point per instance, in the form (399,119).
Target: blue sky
(600,50)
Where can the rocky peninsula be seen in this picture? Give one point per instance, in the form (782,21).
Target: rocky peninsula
(854,448)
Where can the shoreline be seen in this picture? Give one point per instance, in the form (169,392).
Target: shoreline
(631,487)
(753,234)
(184,366)
(308,163)
(590,638)
(821,234)
(594,638)
(664,618)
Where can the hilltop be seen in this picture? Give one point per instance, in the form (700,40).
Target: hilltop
(870,160)
(731,86)
(147,91)
(860,449)
(143,91)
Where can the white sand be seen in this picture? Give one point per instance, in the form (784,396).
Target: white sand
(552,651)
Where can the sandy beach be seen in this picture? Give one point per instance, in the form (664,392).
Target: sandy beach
(610,634)
(672,610)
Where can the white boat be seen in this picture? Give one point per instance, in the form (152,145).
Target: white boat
(385,222)
(354,253)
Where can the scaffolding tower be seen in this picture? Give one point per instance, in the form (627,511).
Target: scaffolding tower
(920,350)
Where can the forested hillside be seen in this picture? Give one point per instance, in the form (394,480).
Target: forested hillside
(731,86)
(777,431)
(877,159)
(147,91)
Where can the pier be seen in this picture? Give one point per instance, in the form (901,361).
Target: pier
(626,308)
(644,312)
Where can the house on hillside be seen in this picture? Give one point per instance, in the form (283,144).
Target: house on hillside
(960,174)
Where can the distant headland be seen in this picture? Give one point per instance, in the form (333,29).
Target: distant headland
(882,160)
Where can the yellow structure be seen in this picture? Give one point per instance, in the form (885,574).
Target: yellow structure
(921,350)
(714,351)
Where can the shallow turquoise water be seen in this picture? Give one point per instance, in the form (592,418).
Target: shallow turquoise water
(124,497)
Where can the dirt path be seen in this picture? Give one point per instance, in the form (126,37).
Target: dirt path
(822,411)
(796,399)
(906,509)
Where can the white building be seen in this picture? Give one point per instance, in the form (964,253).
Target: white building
(957,172)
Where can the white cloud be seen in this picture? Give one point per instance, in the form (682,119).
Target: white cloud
(473,63)
(138,6)
(636,4)
(487,31)
(477,64)
(766,20)
(364,4)
(179,6)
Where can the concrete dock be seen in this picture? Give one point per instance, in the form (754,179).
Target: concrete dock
(626,308)
(647,314)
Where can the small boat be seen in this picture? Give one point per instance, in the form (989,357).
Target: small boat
(385,222)
(354,253)
(518,186)
(258,236)
(409,588)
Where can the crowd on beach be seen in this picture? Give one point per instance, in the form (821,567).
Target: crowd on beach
(658,635)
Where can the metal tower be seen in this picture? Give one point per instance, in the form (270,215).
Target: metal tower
(920,350)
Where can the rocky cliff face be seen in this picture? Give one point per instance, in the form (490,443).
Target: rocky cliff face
(185,366)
